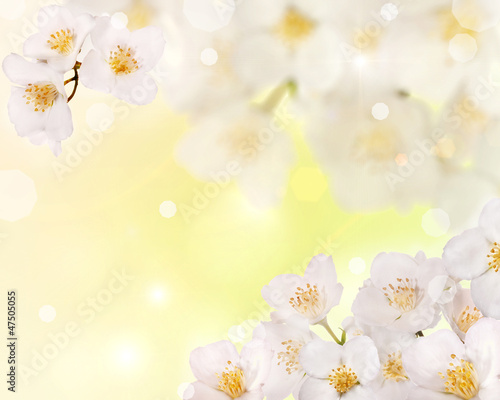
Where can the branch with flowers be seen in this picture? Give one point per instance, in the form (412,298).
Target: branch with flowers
(384,351)
(118,64)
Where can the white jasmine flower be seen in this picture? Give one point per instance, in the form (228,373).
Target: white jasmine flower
(475,255)
(121,60)
(339,372)
(375,163)
(38,103)
(288,40)
(311,296)
(444,368)
(60,38)
(398,297)
(286,341)
(223,374)
(244,143)
(461,313)
(392,382)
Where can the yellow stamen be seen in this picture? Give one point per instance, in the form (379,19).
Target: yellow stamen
(122,61)
(468,318)
(41,95)
(393,368)
(61,41)
(232,381)
(461,379)
(307,301)
(343,379)
(403,296)
(294,27)
(494,257)
(290,356)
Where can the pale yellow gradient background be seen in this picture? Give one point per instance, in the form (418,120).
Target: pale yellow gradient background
(193,280)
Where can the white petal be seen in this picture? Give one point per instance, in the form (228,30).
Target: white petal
(318,358)
(321,270)
(258,14)
(210,360)
(83,26)
(482,344)
(489,220)
(96,74)
(361,355)
(204,392)
(135,88)
(424,359)
(388,267)
(252,395)
(489,392)
(36,46)
(419,393)
(465,255)
(280,383)
(54,18)
(149,45)
(422,317)
(318,389)
(359,392)
(59,121)
(277,294)
(26,121)
(485,293)
(23,72)
(255,362)
(372,307)
(106,38)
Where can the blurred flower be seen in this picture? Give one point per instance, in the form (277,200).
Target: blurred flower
(38,104)
(286,340)
(336,371)
(375,163)
(461,313)
(60,38)
(311,296)
(288,40)
(445,368)
(120,63)
(397,294)
(222,373)
(241,142)
(475,255)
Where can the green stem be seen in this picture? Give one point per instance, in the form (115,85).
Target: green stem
(277,95)
(324,324)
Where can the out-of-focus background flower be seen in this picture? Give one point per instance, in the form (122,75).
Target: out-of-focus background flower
(281,131)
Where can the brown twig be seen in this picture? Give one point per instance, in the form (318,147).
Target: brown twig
(75,79)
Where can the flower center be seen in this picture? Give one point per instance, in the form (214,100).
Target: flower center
(40,95)
(393,368)
(462,379)
(468,318)
(290,356)
(307,301)
(494,257)
(294,27)
(122,61)
(379,146)
(232,381)
(403,295)
(343,379)
(243,140)
(61,41)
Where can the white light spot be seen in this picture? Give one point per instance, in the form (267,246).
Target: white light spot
(237,333)
(360,61)
(462,47)
(209,56)
(100,117)
(389,11)
(119,20)
(209,15)
(17,195)
(380,111)
(476,15)
(436,222)
(357,265)
(158,295)
(185,391)
(127,356)
(168,209)
(47,313)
